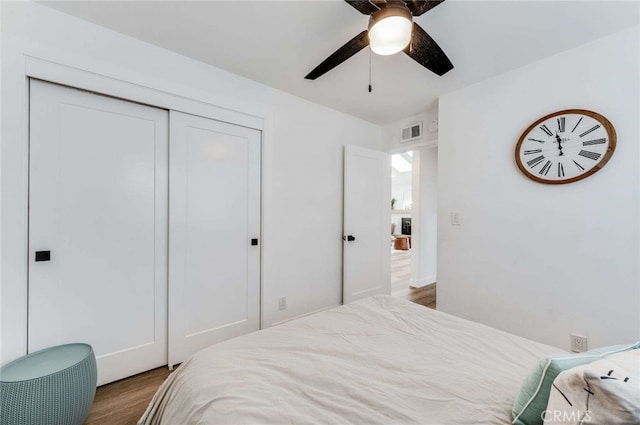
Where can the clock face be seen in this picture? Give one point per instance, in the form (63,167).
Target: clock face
(565,146)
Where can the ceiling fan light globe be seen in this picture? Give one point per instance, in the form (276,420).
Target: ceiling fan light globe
(390,35)
(390,28)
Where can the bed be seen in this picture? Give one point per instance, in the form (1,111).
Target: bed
(380,360)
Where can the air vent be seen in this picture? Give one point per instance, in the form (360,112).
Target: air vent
(413,132)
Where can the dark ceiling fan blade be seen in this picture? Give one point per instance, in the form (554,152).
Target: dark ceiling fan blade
(418,7)
(365,7)
(424,50)
(352,47)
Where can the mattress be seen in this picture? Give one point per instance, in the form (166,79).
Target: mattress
(380,360)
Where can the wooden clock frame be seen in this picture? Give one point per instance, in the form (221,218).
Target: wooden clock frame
(607,155)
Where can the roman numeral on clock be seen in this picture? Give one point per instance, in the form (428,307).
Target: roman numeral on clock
(577,124)
(580,167)
(535,140)
(535,161)
(546,168)
(591,155)
(532,151)
(594,142)
(546,130)
(561,123)
(595,127)
(560,169)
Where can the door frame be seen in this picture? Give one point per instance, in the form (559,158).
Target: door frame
(22,61)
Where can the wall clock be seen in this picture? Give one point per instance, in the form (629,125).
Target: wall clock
(565,146)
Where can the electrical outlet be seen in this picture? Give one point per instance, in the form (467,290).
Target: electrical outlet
(282,303)
(578,343)
(455,219)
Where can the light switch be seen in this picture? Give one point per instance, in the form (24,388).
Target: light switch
(456,219)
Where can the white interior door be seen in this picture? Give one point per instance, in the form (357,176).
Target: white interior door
(367,212)
(214,269)
(98,205)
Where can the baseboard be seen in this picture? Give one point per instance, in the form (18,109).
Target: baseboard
(419,283)
(303,315)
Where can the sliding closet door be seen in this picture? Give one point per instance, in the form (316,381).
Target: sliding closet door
(98,228)
(214,266)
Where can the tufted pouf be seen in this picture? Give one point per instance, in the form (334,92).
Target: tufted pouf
(54,386)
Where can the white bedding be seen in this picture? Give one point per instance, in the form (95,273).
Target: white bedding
(376,361)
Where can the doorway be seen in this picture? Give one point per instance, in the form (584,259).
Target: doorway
(401,219)
(413,224)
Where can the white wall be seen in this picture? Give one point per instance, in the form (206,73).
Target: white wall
(401,189)
(425,213)
(302,157)
(543,261)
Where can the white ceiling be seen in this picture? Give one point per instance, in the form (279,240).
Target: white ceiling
(278,42)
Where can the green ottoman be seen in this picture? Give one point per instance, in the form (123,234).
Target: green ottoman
(54,386)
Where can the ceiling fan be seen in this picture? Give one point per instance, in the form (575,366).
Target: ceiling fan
(391,29)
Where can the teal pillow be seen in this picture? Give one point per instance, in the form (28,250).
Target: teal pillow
(534,395)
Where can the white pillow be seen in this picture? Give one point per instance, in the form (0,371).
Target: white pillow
(606,391)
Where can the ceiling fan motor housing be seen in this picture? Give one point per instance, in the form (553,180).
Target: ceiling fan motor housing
(392,8)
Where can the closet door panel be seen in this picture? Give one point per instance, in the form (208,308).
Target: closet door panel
(214,282)
(98,203)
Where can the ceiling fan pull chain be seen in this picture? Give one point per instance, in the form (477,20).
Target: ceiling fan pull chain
(369,69)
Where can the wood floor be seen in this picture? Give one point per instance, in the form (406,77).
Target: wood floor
(425,296)
(401,278)
(400,271)
(123,402)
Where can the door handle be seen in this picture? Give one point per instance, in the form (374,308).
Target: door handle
(349,238)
